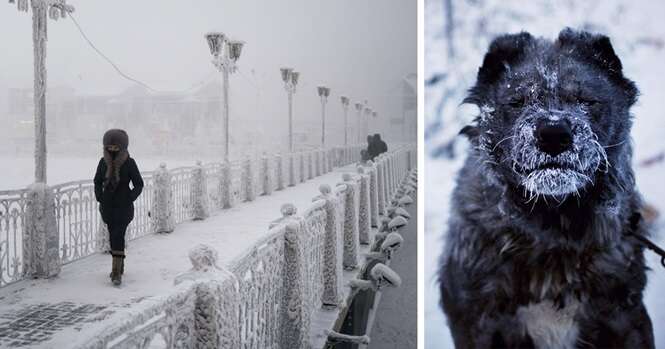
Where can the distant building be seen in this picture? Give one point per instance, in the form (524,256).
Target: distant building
(407,124)
(157,122)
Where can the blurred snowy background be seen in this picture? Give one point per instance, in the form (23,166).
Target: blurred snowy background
(364,50)
(457,34)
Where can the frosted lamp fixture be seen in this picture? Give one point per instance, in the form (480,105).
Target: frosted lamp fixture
(326,91)
(374,114)
(286,74)
(215,42)
(359,106)
(321,90)
(345,100)
(294,77)
(235,48)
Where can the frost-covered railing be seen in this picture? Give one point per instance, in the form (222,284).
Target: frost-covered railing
(266,296)
(81,232)
(12,214)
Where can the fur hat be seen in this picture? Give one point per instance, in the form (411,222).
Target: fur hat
(117,137)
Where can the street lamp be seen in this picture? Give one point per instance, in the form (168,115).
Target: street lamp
(345,106)
(368,112)
(359,108)
(54,9)
(374,123)
(290,79)
(225,55)
(324,92)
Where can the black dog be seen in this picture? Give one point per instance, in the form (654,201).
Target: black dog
(539,251)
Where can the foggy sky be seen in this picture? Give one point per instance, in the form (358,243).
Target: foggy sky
(358,48)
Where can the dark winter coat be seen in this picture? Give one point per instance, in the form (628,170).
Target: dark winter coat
(381,147)
(117,206)
(377,147)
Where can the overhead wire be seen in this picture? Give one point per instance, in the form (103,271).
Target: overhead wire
(123,74)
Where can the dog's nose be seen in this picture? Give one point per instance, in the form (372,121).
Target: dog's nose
(554,137)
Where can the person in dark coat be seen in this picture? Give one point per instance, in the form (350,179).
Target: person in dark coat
(367,155)
(116,199)
(378,146)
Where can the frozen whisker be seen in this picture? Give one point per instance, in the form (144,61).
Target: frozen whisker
(501,141)
(613,145)
(602,154)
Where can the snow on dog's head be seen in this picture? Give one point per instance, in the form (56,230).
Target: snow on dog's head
(554,115)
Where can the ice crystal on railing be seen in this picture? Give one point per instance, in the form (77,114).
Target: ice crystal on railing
(248,180)
(280,172)
(199,193)
(296,318)
(405,200)
(163,208)
(364,224)
(41,253)
(332,271)
(373,194)
(267,183)
(351,241)
(260,275)
(217,300)
(313,247)
(301,157)
(292,170)
(225,186)
(310,165)
(317,163)
(381,196)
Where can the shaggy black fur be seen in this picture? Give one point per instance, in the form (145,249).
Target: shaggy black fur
(537,254)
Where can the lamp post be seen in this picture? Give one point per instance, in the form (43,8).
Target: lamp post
(368,112)
(374,123)
(324,92)
(345,106)
(225,55)
(54,9)
(290,79)
(359,108)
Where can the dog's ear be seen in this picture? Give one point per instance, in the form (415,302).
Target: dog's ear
(504,51)
(597,49)
(470,131)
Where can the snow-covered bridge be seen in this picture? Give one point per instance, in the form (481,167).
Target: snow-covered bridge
(256,282)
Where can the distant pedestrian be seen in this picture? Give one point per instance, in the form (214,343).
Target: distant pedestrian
(364,155)
(378,146)
(116,200)
(368,150)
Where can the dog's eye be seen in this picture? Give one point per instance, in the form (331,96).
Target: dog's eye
(517,102)
(586,102)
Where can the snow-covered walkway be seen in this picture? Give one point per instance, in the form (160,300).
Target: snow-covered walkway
(65,311)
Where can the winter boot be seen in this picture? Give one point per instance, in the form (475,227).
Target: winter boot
(115,272)
(117,269)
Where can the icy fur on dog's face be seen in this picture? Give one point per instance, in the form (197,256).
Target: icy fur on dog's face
(538,96)
(524,81)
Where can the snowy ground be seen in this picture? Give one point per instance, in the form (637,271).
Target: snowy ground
(629,24)
(153,261)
